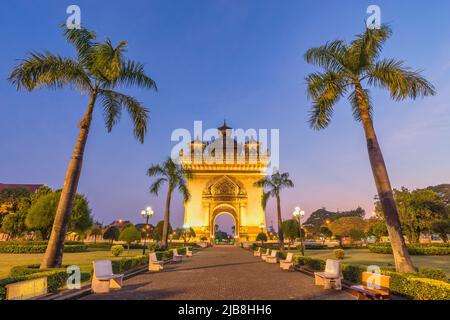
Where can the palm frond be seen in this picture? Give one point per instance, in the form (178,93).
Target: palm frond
(401,81)
(265,199)
(133,74)
(108,61)
(329,56)
(83,40)
(154,188)
(156,170)
(49,70)
(366,48)
(184,190)
(112,109)
(138,113)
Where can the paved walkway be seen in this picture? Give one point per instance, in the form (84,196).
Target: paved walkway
(222,273)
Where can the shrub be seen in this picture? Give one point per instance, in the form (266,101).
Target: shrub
(429,249)
(310,263)
(126,264)
(433,273)
(339,254)
(313,246)
(353,272)
(23,248)
(117,250)
(413,287)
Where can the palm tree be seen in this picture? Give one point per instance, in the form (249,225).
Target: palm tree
(175,176)
(273,185)
(96,71)
(348,68)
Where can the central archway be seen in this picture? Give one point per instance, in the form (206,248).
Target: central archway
(224,228)
(224,209)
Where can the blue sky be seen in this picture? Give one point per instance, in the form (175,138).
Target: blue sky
(242,59)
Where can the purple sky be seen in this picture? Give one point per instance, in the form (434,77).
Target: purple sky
(239,59)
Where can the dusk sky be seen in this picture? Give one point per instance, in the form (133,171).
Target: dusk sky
(239,59)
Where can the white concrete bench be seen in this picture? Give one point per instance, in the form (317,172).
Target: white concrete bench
(287,264)
(265,255)
(103,279)
(154,265)
(331,276)
(188,252)
(273,257)
(257,253)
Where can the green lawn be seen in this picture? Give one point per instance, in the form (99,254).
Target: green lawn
(363,256)
(83,259)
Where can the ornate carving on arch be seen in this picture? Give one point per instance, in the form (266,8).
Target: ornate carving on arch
(224,186)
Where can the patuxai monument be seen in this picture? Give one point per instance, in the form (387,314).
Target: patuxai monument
(224,172)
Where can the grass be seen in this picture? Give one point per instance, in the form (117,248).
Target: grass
(82,259)
(365,257)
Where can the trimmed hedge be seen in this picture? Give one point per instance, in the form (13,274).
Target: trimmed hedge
(125,264)
(17,249)
(34,243)
(413,287)
(310,263)
(424,249)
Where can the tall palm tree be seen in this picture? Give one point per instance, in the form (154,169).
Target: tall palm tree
(273,185)
(175,176)
(97,70)
(348,70)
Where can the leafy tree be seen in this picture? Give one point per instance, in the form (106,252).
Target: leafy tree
(14,224)
(185,233)
(347,226)
(111,233)
(97,70)
(261,237)
(377,228)
(10,198)
(357,234)
(348,70)
(325,233)
(95,231)
(129,234)
(158,230)
(175,176)
(418,209)
(320,217)
(273,185)
(291,231)
(146,230)
(42,212)
(442,228)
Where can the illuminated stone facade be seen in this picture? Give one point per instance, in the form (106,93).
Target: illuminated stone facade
(223,183)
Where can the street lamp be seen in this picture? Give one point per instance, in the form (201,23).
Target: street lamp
(299,213)
(147,214)
(262,226)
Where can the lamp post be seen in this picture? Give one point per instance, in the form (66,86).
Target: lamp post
(147,214)
(299,213)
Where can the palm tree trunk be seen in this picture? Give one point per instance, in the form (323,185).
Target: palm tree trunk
(53,254)
(165,235)
(280,224)
(403,262)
